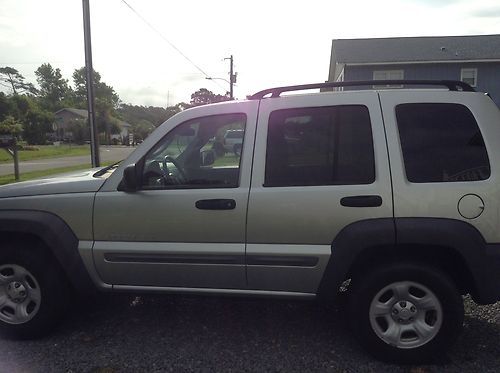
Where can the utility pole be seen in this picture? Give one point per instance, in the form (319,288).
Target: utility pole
(232,77)
(94,140)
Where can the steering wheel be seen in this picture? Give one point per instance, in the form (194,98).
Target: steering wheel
(180,176)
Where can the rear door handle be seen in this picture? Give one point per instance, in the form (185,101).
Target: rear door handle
(361,201)
(216,204)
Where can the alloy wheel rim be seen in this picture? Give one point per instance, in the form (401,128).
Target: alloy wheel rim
(406,314)
(20,294)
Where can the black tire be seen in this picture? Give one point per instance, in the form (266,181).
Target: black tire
(369,289)
(45,276)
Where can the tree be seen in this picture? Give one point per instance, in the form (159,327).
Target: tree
(15,81)
(203,97)
(37,124)
(6,107)
(105,121)
(54,89)
(153,114)
(10,126)
(79,129)
(142,129)
(36,121)
(102,91)
(106,101)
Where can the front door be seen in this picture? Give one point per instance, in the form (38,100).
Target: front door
(185,226)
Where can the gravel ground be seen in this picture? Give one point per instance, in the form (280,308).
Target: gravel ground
(123,333)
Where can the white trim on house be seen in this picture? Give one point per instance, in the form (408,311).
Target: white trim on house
(340,77)
(414,62)
(469,76)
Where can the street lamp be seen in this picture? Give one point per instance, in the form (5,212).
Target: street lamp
(231,96)
(210,78)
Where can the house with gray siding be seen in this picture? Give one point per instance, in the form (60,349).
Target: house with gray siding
(472,59)
(66,117)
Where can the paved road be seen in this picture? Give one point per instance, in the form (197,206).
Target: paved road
(124,333)
(108,154)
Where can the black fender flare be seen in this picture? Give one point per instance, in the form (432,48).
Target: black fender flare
(406,233)
(467,241)
(57,237)
(351,241)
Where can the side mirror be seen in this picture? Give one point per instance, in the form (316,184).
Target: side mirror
(207,157)
(130,180)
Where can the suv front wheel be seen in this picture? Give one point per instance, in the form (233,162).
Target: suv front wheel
(33,291)
(406,312)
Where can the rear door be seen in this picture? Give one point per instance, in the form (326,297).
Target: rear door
(320,164)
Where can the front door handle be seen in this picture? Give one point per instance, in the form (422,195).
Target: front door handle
(361,201)
(216,204)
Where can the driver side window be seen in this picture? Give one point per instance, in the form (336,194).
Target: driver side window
(200,153)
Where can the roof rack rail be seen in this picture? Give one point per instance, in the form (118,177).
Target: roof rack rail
(452,85)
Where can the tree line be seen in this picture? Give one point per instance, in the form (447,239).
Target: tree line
(27,110)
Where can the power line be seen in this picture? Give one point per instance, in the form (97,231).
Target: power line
(168,41)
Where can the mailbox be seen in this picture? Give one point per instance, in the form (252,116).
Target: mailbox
(7,141)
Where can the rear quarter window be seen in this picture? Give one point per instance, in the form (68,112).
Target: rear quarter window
(441,142)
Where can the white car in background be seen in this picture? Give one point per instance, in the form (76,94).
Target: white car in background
(233,140)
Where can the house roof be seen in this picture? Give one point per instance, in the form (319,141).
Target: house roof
(79,112)
(84,114)
(416,49)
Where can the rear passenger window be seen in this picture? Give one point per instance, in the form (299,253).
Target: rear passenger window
(320,146)
(441,143)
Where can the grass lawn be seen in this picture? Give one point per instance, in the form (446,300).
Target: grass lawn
(227,160)
(46,151)
(7,179)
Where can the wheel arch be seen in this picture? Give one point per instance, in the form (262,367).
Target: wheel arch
(55,236)
(454,246)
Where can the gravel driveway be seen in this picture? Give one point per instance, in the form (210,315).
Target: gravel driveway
(123,333)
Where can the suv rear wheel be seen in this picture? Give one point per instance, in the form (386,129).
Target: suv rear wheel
(406,312)
(33,292)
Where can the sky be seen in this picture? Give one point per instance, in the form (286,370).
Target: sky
(273,42)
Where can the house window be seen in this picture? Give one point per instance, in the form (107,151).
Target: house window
(469,76)
(388,75)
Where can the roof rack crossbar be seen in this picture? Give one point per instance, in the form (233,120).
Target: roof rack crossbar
(452,85)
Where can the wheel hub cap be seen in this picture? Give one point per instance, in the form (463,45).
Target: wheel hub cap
(406,314)
(16,291)
(20,294)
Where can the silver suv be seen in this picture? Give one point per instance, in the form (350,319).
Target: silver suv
(393,192)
